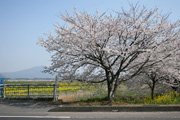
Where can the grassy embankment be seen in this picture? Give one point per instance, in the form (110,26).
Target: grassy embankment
(91,94)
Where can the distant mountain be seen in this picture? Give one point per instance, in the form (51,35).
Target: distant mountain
(32,73)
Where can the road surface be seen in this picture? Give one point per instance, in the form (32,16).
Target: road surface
(38,110)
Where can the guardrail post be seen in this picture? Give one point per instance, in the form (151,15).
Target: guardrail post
(54,96)
(55,88)
(28,93)
(2,87)
(4,91)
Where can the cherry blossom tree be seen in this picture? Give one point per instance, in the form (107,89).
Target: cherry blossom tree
(147,79)
(171,70)
(111,47)
(153,77)
(172,81)
(157,74)
(165,71)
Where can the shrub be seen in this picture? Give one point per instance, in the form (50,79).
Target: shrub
(171,97)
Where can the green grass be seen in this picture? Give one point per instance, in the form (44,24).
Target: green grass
(131,97)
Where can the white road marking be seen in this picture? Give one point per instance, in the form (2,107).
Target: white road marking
(35,117)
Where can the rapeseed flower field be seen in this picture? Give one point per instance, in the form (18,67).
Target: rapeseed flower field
(48,90)
(170,97)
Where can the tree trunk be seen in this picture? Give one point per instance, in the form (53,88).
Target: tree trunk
(111,91)
(175,89)
(112,84)
(152,90)
(152,93)
(110,95)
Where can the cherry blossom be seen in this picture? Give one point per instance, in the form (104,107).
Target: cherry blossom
(109,47)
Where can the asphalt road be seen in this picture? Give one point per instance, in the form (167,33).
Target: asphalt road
(38,110)
(98,116)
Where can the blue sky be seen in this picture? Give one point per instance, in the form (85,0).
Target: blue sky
(23,21)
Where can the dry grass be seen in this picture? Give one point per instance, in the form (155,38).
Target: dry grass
(74,97)
(67,98)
